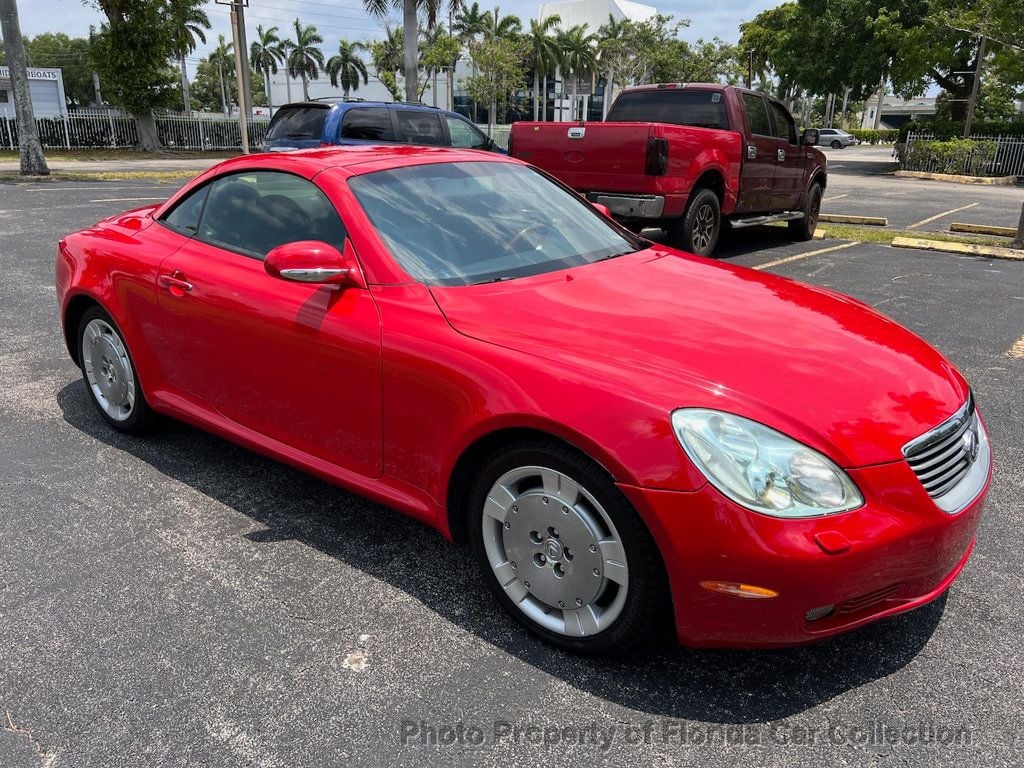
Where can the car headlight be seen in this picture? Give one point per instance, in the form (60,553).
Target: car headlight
(761,469)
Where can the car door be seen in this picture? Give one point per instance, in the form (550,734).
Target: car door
(760,157)
(789,170)
(465,135)
(298,363)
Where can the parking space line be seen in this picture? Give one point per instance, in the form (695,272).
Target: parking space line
(834,197)
(930,219)
(1017,350)
(124,199)
(787,259)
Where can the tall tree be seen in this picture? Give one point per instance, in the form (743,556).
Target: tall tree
(131,52)
(543,56)
(579,59)
(410,28)
(501,67)
(223,58)
(71,54)
(30,150)
(611,49)
(386,56)
(305,59)
(189,23)
(469,28)
(440,51)
(265,53)
(346,68)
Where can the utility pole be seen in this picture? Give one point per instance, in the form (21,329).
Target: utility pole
(243,48)
(975,87)
(96,89)
(33,163)
(238,37)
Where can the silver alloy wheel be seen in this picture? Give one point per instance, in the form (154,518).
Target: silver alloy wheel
(108,370)
(703,227)
(555,551)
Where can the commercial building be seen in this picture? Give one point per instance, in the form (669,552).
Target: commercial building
(46,86)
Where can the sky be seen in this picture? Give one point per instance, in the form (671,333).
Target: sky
(335,19)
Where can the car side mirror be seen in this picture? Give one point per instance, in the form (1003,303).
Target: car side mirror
(602,209)
(314,262)
(810,137)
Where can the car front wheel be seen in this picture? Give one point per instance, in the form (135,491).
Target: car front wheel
(110,374)
(563,550)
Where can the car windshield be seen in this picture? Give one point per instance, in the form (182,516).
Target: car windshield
(467,223)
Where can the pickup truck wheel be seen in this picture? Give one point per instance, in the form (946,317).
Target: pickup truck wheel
(697,230)
(803,229)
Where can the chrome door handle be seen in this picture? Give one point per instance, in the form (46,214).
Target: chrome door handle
(751,152)
(781,155)
(175,281)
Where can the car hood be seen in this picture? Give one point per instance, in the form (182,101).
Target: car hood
(678,330)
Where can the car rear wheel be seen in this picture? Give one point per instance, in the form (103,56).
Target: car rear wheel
(109,373)
(836,144)
(803,229)
(563,550)
(698,229)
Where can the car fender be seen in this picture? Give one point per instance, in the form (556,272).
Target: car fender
(716,160)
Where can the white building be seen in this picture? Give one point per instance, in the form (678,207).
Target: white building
(46,86)
(594,14)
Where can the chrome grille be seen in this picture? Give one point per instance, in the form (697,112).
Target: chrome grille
(943,457)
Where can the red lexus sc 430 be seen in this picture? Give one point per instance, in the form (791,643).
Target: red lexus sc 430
(619,430)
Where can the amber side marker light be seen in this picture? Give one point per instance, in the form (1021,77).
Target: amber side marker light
(736,589)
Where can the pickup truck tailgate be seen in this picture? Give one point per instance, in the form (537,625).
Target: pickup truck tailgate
(613,157)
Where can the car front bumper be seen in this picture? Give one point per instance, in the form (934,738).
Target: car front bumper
(893,554)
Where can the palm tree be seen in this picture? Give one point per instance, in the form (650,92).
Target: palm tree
(265,53)
(578,59)
(410,29)
(544,56)
(347,67)
(610,46)
(498,27)
(468,27)
(187,22)
(223,56)
(305,60)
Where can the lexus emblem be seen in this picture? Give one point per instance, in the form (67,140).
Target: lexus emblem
(971,445)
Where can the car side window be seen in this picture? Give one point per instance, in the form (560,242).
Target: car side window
(757,114)
(367,124)
(785,128)
(184,217)
(464,135)
(253,212)
(420,127)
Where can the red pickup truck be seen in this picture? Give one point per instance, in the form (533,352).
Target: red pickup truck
(684,157)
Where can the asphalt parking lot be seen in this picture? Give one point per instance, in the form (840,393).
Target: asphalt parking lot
(177,600)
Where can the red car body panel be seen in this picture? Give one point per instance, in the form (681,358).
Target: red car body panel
(383,389)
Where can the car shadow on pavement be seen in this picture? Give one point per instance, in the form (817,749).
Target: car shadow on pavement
(662,680)
(739,242)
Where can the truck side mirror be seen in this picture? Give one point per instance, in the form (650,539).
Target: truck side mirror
(810,137)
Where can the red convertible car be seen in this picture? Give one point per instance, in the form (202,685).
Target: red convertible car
(620,431)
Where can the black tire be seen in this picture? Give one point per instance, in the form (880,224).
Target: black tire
(803,229)
(646,601)
(698,229)
(139,416)
(836,144)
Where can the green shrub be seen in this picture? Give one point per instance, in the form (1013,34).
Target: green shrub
(948,129)
(967,157)
(871,136)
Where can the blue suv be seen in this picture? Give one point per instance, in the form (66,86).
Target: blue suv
(324,122)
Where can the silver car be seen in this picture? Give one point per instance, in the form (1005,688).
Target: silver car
(835,138)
